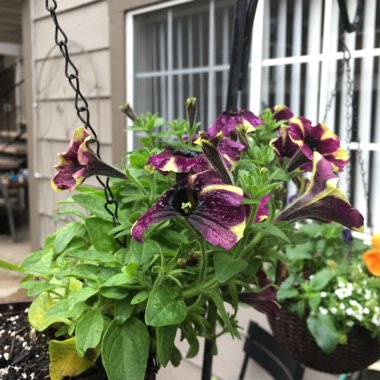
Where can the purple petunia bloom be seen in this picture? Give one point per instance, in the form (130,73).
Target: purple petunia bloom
(229,121)
(322,200)
(262,210)
(264,300)
(179,161)
(300,139)
(281,112)
(80,162)
(211,207)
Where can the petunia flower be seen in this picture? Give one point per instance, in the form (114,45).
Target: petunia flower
(179,161)
(262,210)
(322,200)
(229,121)
(303,139)
(281,112)
(372,261)
(212,208)
(80,162)
(264,300)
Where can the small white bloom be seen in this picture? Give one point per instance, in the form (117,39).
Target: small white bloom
(343,293)
(350,323)
(322,310)
(349,311)
(323,294)
(334,310)
(366,310)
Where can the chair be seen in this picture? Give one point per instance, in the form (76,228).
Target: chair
(6,202)
(263,348)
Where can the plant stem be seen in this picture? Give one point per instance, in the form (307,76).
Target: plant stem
(209,342)
(252,244)
(194,291)
(203,266)
(136,182)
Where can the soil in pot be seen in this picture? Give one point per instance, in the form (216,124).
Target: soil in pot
(24,351)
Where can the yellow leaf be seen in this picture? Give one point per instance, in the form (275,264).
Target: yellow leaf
(64,360)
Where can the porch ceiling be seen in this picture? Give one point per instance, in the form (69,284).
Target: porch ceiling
(10,21)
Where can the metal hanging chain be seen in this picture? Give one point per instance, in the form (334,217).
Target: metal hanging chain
(345,68)
(81,106)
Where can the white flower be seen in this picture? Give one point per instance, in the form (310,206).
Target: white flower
(366,310)
(349,311)
(323,294)
(343,292)
(334,310)
(322,310)
(350,323)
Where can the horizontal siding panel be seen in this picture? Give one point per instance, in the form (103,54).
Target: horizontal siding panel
(40,10)
(87,27)
(58,120)
(94,76)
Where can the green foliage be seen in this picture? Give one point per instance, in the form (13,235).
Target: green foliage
(330,285)
(102,291)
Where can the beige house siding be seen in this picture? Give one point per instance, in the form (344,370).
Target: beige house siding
(53,117)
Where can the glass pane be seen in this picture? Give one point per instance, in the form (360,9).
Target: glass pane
(224,25)
(187,86)
(151,95)
(151,42)
(293,28)
(190,35)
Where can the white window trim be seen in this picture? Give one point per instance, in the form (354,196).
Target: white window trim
(129,32)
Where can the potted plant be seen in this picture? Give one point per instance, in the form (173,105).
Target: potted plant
(331,315)
(196,219)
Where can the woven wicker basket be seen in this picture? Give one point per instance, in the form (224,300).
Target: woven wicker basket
(292,333)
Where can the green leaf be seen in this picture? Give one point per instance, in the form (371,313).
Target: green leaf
(99,231)
(165,343)
(300,252)
(141,253)
(321,279)
(165,306)
(125,350)
(324,332)
(37,287)
(114,292)
(10,266)
(81,295)
(90,272)
(93,256)
(38,310)
(39,262)
(93,203)
(66,234)
(226,266)
(284,294)
(119,279)
(270,229)
(314,301)
(71,211)
(88,331)
(140,297)
(123,310)
(218,301)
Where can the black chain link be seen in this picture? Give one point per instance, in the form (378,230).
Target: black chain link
(81,106)
(345,68)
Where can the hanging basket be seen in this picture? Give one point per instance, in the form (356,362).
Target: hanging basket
(292,333)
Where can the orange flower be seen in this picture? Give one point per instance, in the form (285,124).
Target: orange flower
(376,241)
(372,261)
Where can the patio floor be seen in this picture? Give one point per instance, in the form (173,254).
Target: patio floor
(15,253)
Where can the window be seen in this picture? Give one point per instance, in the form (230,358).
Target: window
(180,51)
(182,48)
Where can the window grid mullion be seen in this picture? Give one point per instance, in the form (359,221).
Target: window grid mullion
(211,75)
(170,97)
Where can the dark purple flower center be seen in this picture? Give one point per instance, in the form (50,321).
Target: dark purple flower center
(234,112)
(185,153)
(183,200)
